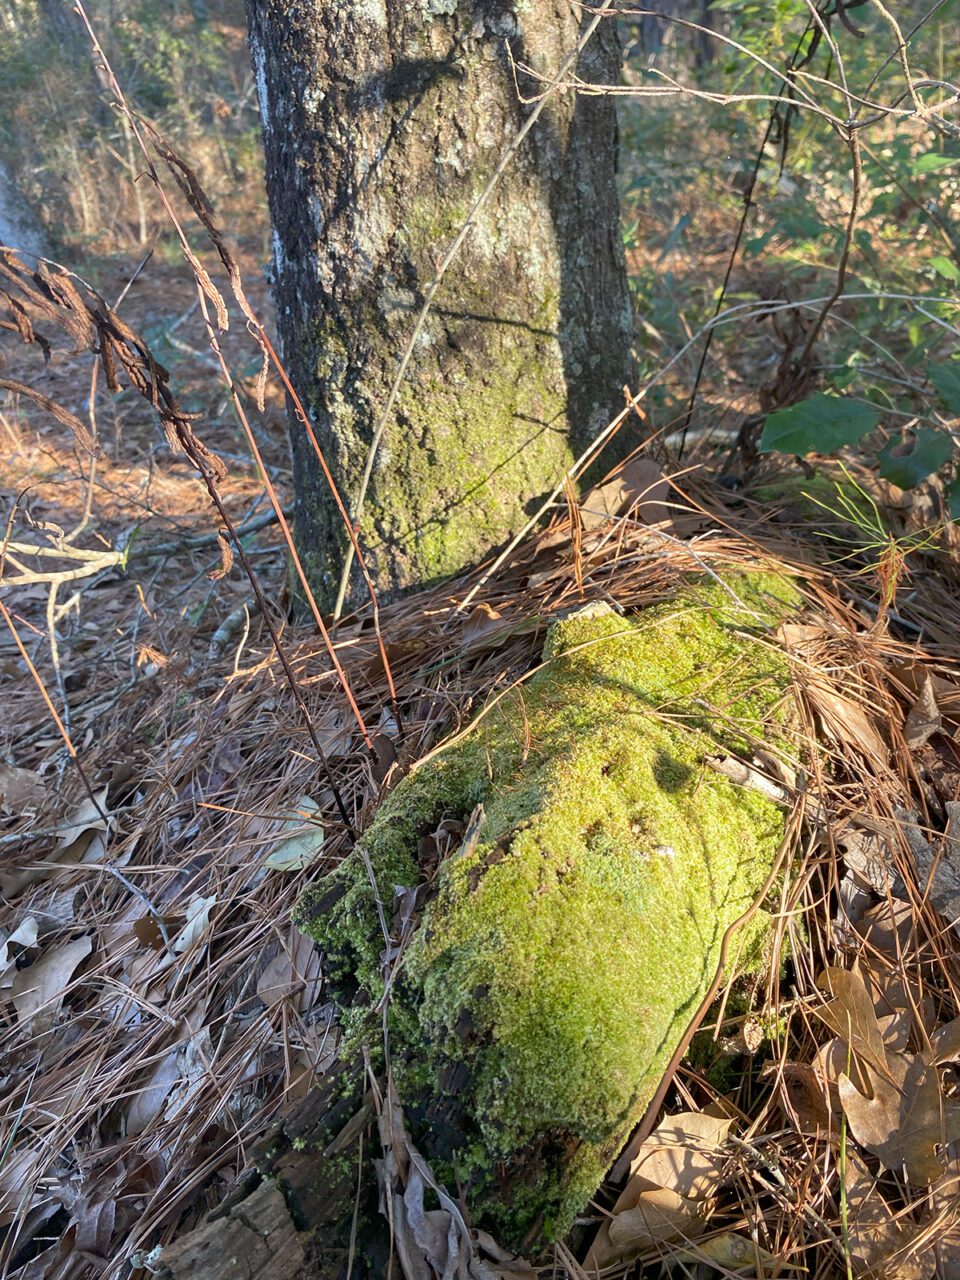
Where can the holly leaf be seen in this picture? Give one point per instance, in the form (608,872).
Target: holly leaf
(821,423)
(945,267)
(906,469)
(946,378)
(931,162)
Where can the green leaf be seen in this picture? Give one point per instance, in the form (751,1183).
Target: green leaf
(931,449)
(946,378)
(933,161)
(821,424)
(952,492)
(945,267)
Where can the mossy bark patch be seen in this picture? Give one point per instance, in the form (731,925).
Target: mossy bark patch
(382,124)
(564,950)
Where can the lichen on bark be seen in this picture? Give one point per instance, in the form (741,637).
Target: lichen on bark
(561,956)
(382,123)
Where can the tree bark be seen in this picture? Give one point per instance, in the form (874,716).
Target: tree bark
(382,121)
(20,228)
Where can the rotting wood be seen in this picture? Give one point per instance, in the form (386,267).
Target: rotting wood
(300,1198)
(256,1237)
(553,959)
(591,714)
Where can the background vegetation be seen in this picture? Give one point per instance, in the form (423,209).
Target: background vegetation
(712,125)
(183,65)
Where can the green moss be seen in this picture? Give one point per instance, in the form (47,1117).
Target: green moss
(477,479)
(484,424)
(560,960)
(481,426)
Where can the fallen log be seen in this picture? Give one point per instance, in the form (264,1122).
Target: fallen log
(552,890)
(523,936)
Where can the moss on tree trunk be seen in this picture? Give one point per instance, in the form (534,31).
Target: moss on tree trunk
(568,940)
(382,121)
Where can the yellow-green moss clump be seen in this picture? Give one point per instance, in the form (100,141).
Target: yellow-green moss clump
(559,960)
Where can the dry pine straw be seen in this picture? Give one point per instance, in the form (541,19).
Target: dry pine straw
(134,1098)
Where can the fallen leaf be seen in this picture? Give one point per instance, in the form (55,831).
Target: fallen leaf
(637,486)
(906,1120)
(305,845)
(20,789)
(660,1214)
(147,931)
(387,723)
(895,1029)
(938,870)
(20,1175)
(149,1100)
(844,719)
(943,1208)
(198,918)
(873,1234)
(946,1043)
(24,936)
(831,1061)
(56,912)
(88,816)
(868,855)
(683,1154)
(890,928)
(193,1063)
(923,718)
(805,1101)
(386,757)
(291,972)
(82,838)
(853,900)
(895,992)
(308,971)
(319,1051)
(38,991)
(94,1217)
(733,1252)
(672,1176)
(483,624)
(946,692)
(851,1016)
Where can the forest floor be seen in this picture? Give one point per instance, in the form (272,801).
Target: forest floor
(161,1010)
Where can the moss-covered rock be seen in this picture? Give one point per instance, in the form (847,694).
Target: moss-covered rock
(566,945)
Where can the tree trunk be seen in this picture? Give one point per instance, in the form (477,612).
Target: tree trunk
(382,122)
(20,228)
